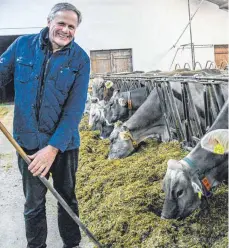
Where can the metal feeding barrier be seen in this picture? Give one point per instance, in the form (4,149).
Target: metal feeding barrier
(196,121)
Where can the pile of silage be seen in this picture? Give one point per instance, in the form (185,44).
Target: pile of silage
(120,200)
(4,109)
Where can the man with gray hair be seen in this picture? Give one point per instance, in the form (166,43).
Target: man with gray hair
(51,74)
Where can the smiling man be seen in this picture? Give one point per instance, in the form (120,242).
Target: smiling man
(51,74)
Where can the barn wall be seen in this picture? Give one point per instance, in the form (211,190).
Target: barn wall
(149,27)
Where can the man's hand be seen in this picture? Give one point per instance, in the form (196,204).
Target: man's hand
(42,160)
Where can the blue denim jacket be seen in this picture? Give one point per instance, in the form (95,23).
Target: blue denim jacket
(55,119)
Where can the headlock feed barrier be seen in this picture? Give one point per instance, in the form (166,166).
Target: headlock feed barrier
(196,120)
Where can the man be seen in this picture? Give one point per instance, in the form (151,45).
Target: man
(51,75)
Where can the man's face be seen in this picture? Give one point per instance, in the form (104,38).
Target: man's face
(62,28)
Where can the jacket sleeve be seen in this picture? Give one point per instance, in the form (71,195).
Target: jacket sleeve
(73,110)
(7,61)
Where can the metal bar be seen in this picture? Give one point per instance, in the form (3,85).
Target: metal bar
(188,112)
(188,24)
(214,105)
(186,46)
(163,107)
(209,105)
(185,108)
(197,63)
(195,139)
(178,123)
(196,116)
(50,187)
(197,79)
(190,28)
(170,107)
(219,95)
(206,108)
(174,58)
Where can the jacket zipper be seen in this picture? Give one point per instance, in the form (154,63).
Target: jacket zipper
(42,90)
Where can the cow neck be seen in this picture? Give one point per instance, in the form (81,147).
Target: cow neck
(206,182)
(189,165)
(105,92)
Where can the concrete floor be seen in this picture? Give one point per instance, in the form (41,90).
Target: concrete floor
(12,232)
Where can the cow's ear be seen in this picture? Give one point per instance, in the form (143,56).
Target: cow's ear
(196,185)
(94,99)
(125,135)
(109,84)
(174,164)
(122,102)
(118,124)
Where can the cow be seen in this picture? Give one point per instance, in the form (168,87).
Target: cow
(96,111)
(147,122)
(101,92)
(97,120)
(101,89)
(123,105)
(187,180)
(120,107)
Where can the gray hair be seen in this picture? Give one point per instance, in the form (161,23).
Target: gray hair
(62,7)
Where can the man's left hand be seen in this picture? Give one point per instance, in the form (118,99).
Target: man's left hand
(42,161)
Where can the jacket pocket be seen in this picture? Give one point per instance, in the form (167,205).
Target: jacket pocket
(65,78)
(24,69)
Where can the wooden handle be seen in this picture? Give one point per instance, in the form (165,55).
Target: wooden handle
(50,187)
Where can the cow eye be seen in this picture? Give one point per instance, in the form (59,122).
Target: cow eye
(179,193)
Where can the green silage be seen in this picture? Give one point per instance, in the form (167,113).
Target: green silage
(3,110)
(120,200)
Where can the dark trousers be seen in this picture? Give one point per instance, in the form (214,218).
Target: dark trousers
(63,173)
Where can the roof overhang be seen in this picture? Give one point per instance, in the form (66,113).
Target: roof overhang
(223,4)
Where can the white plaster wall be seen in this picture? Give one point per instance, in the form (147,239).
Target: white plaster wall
(149,27)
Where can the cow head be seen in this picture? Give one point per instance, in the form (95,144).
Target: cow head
(182,189)
(102,90)
(121,142)
(105,130)
(97,88)
(116,109)
(108,90)
(97,120)
(95,113)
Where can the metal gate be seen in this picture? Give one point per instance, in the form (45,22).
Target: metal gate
(111,61)
(190,129)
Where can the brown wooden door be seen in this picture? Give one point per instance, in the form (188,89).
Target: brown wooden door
(100,61)
(221,55)
(111,61)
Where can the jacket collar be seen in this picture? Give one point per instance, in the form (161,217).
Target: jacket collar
(44,40)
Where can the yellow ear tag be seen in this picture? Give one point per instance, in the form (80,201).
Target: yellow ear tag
(219,149)
(124,135)
(118,124)
(135,144)
(200,194)
(108,84)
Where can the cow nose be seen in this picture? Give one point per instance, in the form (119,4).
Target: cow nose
(94,99)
